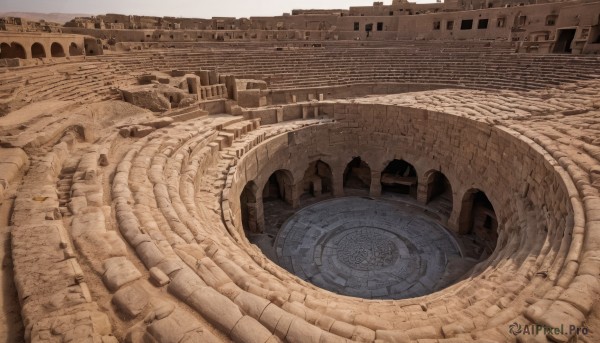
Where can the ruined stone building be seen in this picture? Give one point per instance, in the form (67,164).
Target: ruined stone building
(389,173)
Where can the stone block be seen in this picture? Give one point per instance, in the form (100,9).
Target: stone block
(118,272)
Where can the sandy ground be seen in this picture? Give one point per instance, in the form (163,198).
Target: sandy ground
(32,111)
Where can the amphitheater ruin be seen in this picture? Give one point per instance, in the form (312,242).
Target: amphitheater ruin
(385,173)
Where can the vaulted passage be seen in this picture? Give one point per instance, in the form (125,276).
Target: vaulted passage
(56,50)
(38,51)
(14,50)
(478,224)
(357,175)
(317,181)
(74,50)
(439,193)
(278,187)
(399,177)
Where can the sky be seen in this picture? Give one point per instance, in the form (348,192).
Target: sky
(180,8)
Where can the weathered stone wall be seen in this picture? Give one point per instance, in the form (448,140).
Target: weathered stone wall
(27,40)
(471,154)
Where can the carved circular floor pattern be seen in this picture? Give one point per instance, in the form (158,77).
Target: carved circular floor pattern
(367,248)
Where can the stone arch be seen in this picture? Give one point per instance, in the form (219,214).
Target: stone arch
(279,186)
(317,179)
(439,191)
(19,50)
(13,50)
(38,51)
(56,50)
(5,50)
(401,177)
(75,50)
(248,208)
(357,174)
(477,219)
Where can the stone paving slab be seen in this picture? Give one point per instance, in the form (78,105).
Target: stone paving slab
(366,248)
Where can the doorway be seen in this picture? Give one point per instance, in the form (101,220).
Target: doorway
(564,40)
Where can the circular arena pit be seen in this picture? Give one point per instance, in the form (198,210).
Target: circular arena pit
(368,248)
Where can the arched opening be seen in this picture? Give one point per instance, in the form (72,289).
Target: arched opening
(38,51)
(439,192)
(248,208)
(317,180)
(278,187)
(357,175)
(277,201)
(399,177)
(74,50)
(56,50)
(5,51)
(14,50)
(478,223)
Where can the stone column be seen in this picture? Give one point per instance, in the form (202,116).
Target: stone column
(256,215)
(213,77)
(459,220)
(423,190)
(292,194)
(337,182)
(375,189)
(305,111)
(204,79)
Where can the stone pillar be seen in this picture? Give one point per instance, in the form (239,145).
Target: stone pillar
(375,189)
(423,190)
(231,86)
(213,77)
(292,194)
(259,213)
(458,220)
(305,110)
(337,181)
(224,92)
(204,79)
(251,208)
